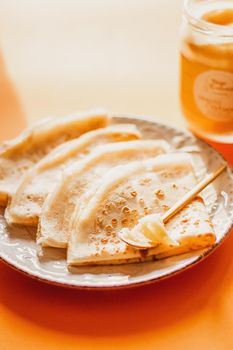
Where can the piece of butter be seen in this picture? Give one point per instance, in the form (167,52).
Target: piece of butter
(150,230)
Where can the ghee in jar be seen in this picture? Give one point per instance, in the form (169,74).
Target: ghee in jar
(206,69)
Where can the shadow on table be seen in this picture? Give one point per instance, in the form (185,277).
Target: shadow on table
(121,312)
(12,118)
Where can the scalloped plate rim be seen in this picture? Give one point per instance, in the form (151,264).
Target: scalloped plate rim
(141,282)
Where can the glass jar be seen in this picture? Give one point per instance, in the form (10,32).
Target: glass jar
(206,68)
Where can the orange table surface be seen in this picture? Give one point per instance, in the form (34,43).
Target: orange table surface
(47,65)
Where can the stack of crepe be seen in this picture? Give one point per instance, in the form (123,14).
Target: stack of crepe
(81,180)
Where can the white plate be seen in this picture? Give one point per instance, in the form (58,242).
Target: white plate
(18,248)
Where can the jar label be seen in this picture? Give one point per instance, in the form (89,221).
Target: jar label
(213,93)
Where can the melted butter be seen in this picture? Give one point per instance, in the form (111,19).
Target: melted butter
(150,230)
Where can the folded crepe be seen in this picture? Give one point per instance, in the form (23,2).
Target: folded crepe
(25,205)
(58,208)
(128,193)
(18,155)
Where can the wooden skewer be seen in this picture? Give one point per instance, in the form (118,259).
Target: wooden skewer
(188,197)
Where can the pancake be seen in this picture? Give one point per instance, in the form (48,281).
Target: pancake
(21,153)
(66,197)
(38,182)
(128,193)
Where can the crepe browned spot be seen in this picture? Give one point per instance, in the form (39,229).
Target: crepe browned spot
(133,191)
(39,181)
(20,154)
(67,196)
